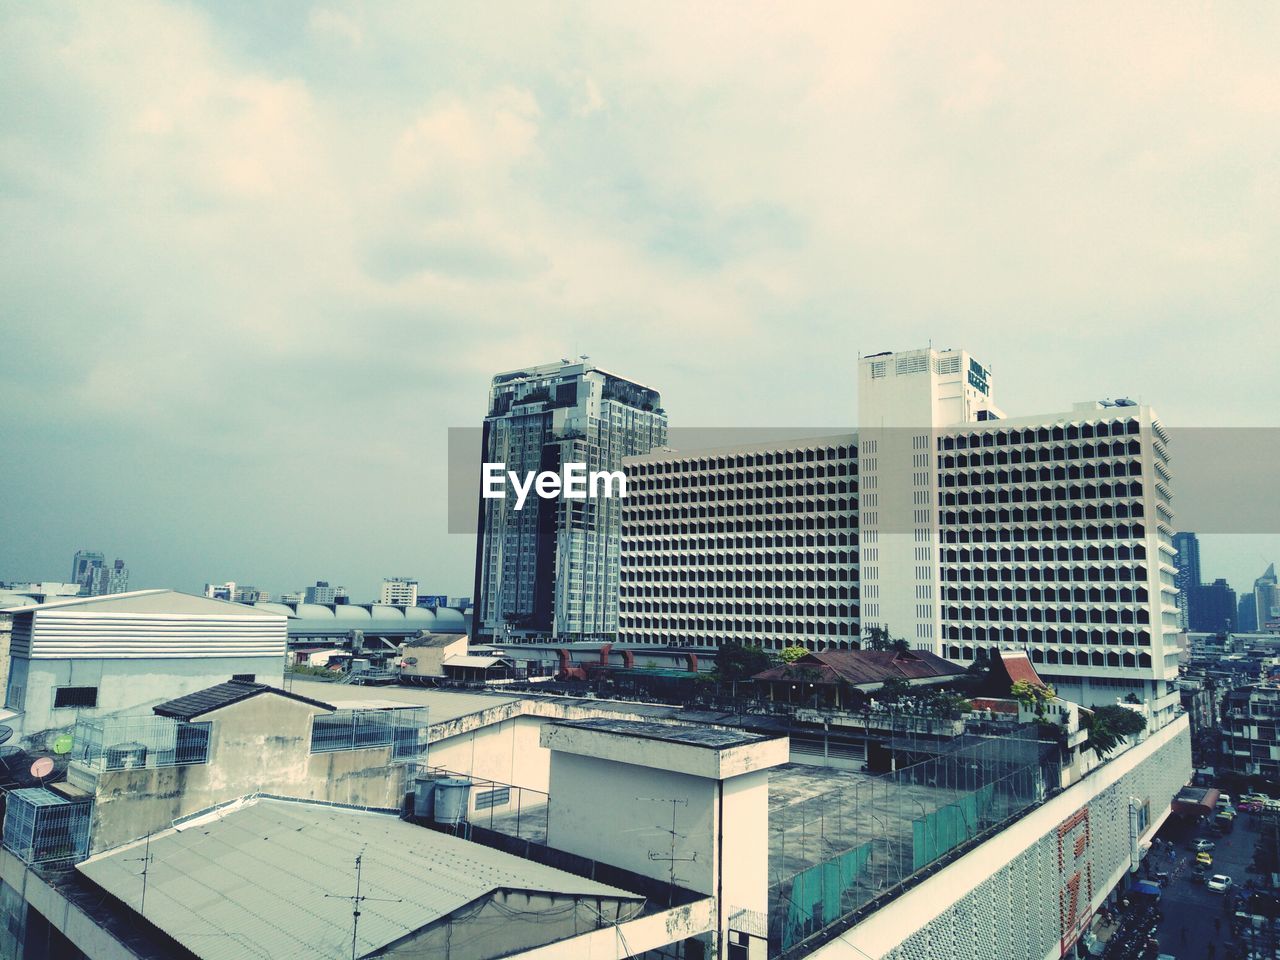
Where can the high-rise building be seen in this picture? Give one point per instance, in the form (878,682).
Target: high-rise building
(757,545)
(550,569)
(118,577)
(88,568)
(1266,600)
(1188,577)
(1246,613)
(1214,608)
(1049,533)
(399,591)
(323,593)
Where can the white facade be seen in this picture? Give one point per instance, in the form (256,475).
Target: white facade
(103,655)
(962,530)
(399,591)
(756,544)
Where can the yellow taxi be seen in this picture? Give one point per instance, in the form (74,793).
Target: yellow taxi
(1204,859)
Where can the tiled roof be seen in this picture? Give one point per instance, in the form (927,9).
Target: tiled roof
(861,667)
(222,695)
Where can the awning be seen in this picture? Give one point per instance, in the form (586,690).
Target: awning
(1149,887)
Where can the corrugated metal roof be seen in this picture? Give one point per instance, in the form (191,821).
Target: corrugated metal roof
(148,602)
(471,660)
(269,880)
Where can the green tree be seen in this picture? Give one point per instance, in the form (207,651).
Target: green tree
(893,690)
(878,638)
(1108,725)
(734,661)
(791,654)
(1033,696)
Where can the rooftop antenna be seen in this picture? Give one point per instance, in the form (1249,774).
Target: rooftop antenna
(670,858)
(356,899)
(145,860)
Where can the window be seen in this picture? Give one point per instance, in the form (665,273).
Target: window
(75,697)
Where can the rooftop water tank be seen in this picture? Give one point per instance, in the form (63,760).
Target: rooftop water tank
(452,795)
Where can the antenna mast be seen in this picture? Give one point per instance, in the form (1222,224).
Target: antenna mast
(145,860)
(356,899)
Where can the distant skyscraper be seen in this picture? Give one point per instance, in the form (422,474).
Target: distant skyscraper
(551,569)
(118,578)
(1188,577)
(399,591)
(1214,608)
(1266,600)
(1246,613)
(88,568)
(323,593)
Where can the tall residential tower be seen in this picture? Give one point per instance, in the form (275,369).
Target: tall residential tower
(550,568)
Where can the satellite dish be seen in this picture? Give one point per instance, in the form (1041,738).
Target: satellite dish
(6,734)
(42,768)
(63,744)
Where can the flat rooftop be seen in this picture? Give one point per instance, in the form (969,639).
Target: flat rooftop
(712,737)
(444,705)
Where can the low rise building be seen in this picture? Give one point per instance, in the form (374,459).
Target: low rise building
(1250,721)
(90,656)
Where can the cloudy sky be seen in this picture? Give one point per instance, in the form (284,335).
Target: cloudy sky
(257,258)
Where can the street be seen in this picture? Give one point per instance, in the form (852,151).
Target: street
(1197,922)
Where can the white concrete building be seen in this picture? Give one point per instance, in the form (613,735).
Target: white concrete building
(955,528)
(755,544)
(399,591)
(98,655)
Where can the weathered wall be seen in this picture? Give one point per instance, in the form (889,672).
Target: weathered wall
(122,685)
(260,745)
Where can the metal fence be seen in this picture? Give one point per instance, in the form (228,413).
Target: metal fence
(832,854)
(519,812)
(134,742)
(404,730)
(40,826)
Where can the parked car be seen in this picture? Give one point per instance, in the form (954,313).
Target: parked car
(1204,858)
(1255,798)
(1219,883)
(1202,845)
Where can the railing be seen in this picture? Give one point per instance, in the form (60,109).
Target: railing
(138,742)
(403,730)
(833,855)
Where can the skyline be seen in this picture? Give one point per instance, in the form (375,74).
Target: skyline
(242,308)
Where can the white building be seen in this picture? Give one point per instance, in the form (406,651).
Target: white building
(955,528)
(99,655)
(399,591)
(754,544)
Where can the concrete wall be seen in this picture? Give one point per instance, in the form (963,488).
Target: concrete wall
(122,685)
(620,813)
(506,752)
(1005,897)
(260,745)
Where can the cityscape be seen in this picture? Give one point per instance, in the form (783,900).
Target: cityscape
(697,483)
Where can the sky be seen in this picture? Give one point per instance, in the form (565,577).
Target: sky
(258,258)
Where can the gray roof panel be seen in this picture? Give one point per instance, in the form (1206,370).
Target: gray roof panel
(269,879)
